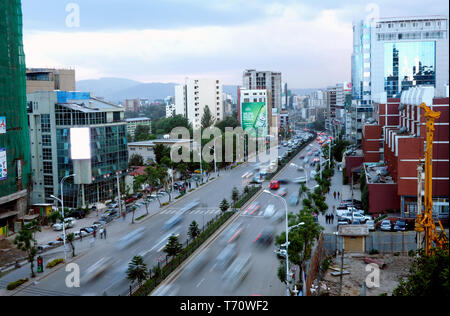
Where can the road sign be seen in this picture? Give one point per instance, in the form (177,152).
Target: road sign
(161,259)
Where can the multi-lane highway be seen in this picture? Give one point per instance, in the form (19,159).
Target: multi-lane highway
(111,256)
(254,260)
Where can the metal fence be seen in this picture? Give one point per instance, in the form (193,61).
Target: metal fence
(383,242)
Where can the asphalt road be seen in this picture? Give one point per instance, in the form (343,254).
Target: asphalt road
(210,279)
(150,244)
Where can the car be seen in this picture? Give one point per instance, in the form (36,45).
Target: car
(400,226)
(138,195)
(95,270)
(252,208)
(78,214)
(173,221)
(278,216)
(356,222)
(281,192)
(269,211)
(81,233)
(226,256)
(386,225)
(233,232)
(130,200)
(130,238)
(293,200)
(265,238)
(197,265)
(274,185)
(88,230)
(237,272)
(370,224)
(299,180)
(341,223)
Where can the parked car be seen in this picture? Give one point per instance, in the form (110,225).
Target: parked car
(400,226)
(130,200)
(386,225)
(371,225)
(78,214)
(281,192)
(88,230)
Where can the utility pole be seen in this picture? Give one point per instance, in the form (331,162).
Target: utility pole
(118,193)
(342,270)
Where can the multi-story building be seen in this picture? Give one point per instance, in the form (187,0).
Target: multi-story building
(145,148)
(132,123)
(255,80)
(44,79)
(255,110)
(393,54)
(51,116)
(170,110)
(14,136)
(392,172)
(192,98)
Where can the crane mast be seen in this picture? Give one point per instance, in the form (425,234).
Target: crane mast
(424,221)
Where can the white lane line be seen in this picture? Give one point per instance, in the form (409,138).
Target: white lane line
(200,282)
(213,267)
(162,240)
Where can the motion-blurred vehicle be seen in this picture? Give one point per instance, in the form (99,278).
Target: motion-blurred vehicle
(226,256)
(131,238)
(274,185)
(278,216)
(237,272)
(233,232)
(197,265)
(95,270)
(173,221)
(269,211)
(281,192)
(299,180)
(252,208)
(265,238)
(293,200)
(166,290)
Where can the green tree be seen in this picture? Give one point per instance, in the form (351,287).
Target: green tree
(173,247)
(141,133)
(229,121)
(428,276)
(70,239)
(224,205)
(235,195)
(137,270)
(182,168)
(207,118)
(151,181)
(164,179)
(136,160)
(194,231)
(161,151)
(26,242)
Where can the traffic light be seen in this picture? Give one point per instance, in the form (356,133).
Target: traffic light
(40,265)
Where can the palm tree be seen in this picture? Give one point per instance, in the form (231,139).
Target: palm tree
(194,231)
(26,242)
(173,247)
(137,270)
(70,239)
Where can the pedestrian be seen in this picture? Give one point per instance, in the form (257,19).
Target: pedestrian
(332,219)
(104,232)
(326,218)
(94,234)
(339,195)
(334,208)
(101,233)
(334,194)
(124,215)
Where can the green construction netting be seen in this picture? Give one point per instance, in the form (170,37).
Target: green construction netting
(14,139)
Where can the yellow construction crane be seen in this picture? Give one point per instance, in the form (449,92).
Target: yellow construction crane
(424,221)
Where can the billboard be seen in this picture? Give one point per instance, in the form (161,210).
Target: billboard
(254,117)
(2,125)
(3,164)
(80,142)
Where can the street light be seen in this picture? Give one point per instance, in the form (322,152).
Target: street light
(287,240)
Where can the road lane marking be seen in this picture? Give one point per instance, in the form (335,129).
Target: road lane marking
(211,270)
(200,282)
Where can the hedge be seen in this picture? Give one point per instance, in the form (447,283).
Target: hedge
(54,263)
(13,285)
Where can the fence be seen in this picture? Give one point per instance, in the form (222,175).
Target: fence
(383,242)
(313,268)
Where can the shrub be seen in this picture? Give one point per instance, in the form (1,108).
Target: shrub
(165,203)
(373,252)
(54,263)
(13,285)
(141,217)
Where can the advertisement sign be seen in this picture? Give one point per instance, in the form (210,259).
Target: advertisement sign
(2,125)
(80,141)
(3,164)
(254,116)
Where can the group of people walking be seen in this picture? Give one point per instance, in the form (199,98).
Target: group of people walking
(329,218)
(337,195)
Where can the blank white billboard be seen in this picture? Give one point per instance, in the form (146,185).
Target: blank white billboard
(80,143)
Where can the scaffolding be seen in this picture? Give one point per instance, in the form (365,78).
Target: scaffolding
(14,134)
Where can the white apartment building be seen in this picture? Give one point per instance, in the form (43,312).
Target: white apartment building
(132,123)
(170,110)
(269,80)
(192,98)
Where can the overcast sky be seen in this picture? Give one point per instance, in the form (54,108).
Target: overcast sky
(309,41)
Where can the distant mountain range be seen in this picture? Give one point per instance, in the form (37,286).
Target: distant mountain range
(119,89)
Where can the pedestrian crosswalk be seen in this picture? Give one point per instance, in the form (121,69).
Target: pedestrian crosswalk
(203,211)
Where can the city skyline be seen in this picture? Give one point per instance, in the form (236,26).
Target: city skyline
(164,41)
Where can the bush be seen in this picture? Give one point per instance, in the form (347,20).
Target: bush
(165,203)
(13,285)
(373,252)
(54,263)
(141,217)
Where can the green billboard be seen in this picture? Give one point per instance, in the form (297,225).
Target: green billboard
(254,118)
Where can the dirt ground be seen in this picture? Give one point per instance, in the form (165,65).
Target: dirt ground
(9,252)
(395,268)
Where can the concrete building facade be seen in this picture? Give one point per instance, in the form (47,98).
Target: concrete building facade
(45,79)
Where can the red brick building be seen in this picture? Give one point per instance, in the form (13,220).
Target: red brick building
(403,136)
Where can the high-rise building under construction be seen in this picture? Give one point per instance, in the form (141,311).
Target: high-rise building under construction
(14,134)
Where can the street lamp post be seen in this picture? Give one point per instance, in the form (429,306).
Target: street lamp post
(287,240)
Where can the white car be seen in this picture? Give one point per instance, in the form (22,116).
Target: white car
(371,225)
(270,210)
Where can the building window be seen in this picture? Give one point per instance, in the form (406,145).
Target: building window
(45,123)
(46,140)
(46,153)
(48,180)
(48,167)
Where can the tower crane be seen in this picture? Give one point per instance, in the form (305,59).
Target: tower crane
(424,221)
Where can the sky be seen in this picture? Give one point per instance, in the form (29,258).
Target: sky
(309,41)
